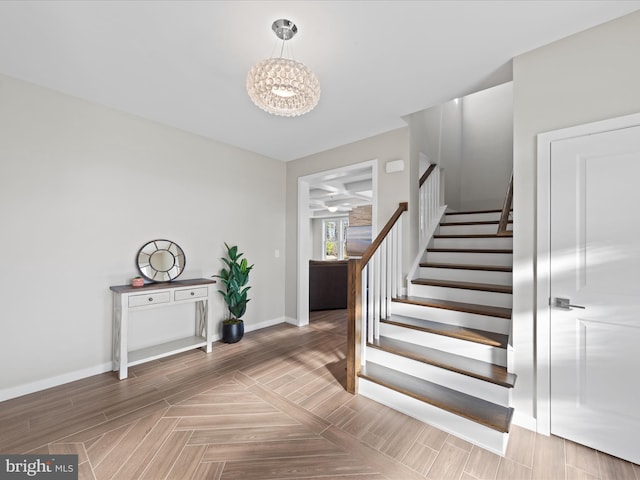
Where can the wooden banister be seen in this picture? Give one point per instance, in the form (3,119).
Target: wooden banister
(426,174)
(506,209)
(354,299)
(354,325)
(368,253)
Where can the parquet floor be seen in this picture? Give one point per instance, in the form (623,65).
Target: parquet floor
(272,406)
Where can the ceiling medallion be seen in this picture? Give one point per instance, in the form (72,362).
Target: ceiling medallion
(282,86)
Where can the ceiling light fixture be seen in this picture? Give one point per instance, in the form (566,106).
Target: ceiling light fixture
(331,208)
(282,86)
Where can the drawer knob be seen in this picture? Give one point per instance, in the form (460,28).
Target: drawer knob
(193,293)
(151,299)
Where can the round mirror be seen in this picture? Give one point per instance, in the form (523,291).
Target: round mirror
(161,260)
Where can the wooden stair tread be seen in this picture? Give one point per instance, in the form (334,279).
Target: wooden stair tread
(483,337)
(468,212)
(460,266)
(471,250)
(488,372)
(475,409)
(490,311)
(469,235)
(485,287)
(483,222)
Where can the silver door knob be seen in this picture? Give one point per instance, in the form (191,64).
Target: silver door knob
(566,304)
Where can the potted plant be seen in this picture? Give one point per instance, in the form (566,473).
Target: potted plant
(234,277)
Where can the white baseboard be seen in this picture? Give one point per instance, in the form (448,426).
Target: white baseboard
(38,385)
(524,421)
(25,389)
(267,323)
(295,321)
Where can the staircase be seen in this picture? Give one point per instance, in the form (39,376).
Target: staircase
(440,352)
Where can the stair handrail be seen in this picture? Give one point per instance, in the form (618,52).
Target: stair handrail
(426,174)
(430,202)
(506,211)
(365,299)
(371,249)
(431,208)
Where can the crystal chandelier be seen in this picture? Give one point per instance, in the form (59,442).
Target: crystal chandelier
(282,86)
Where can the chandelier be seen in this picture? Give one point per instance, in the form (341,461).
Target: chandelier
(282,86)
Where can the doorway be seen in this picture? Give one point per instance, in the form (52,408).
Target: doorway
(588,283)
(343,188)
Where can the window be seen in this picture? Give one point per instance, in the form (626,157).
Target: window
(334,239)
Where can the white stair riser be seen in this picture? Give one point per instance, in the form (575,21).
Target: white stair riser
(465,275)
(472,217)
(461,295)
(453,317)
(473,432)
(462,383)
(467,229)
(482,242)
(510,357)
(456,346)
(467,258)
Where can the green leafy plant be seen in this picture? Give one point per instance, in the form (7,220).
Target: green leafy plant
(234,278)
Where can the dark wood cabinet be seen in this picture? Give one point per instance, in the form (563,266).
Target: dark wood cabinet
(327,284)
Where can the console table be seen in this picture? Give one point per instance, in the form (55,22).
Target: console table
(127,299)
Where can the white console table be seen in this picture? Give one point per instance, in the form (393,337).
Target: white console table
(127,299)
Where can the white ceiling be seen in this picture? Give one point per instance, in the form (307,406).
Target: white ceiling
(184,63)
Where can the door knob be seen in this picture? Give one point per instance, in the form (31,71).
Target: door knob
(566,304)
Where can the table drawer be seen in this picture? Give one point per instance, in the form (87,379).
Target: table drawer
(190,293)
(149,299)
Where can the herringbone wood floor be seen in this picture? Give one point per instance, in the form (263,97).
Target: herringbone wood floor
(272,406)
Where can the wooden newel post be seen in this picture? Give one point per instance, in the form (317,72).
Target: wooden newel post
(354,323)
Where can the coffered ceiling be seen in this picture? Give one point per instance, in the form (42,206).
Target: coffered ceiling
(184,63)
(338,193)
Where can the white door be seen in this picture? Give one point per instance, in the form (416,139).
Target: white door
(595,264)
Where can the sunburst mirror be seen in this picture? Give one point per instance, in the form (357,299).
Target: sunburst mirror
(161,260)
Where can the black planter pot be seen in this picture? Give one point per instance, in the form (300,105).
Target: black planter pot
(232,332)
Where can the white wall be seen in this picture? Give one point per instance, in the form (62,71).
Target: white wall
(437,133)
(472,139)
(487,147)
(82,187)
(451,152)
(393,189)
(316,238)
(586,77)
